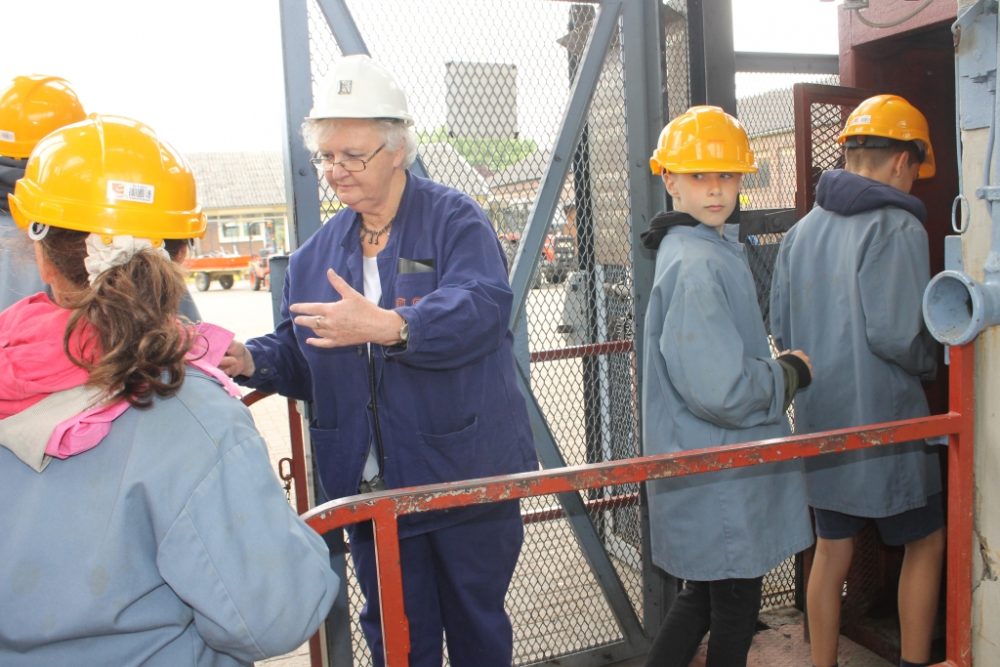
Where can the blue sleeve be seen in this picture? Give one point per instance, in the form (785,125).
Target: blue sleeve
(892,279)
(704,354)
(466,317)
(256,576)
(279,365)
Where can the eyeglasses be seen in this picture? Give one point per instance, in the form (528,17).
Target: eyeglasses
(352,164)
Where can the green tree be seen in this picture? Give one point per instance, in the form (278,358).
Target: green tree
(494,154)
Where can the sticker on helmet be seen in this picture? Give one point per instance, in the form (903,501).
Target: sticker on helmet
(345,87)
(864,119)
(134,192)
(7,135)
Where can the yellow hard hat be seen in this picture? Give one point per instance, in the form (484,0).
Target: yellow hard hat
(703,139)
(892,117)
(109,175)
(30,108)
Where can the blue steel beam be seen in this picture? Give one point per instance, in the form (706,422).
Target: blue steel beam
(300,176)
(800,63)
(646,110)
(529,250)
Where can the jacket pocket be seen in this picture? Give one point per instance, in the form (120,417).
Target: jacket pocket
(339,463)
(412,287)
(448,457)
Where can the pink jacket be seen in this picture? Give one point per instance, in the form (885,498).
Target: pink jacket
(35,367)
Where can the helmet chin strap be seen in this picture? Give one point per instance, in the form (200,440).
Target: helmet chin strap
(37,231)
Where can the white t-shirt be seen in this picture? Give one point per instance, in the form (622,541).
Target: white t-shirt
(373,292)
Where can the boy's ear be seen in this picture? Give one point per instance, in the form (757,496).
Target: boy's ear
(670,183)
(901,163)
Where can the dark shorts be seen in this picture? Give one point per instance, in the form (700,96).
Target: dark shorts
(894,530)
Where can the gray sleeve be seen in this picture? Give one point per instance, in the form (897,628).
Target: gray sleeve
(892,279)
(189,308)
(705,359)
(779,298)
(257,577)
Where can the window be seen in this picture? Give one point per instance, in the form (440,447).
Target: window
(242,230)
(230,231)
(762,178)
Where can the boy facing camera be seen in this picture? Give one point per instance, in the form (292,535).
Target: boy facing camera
(710,380)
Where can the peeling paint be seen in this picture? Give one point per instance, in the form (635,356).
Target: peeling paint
(988,559)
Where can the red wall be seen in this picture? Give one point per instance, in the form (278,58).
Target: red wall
(916,61)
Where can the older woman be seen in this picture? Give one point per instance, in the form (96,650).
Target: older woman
(396,327)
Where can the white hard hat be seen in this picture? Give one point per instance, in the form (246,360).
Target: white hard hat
(358,87)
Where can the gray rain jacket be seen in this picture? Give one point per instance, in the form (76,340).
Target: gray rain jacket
(18,275)
(709,379)
(847,288)
(168,544)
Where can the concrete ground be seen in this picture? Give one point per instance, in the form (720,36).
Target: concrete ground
(783,644)
(248,314)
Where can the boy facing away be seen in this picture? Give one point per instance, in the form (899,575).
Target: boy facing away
(847,286)
(710,380)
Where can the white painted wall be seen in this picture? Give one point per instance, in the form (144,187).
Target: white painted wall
(986,548)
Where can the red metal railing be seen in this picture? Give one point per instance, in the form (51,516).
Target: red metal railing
(385,508)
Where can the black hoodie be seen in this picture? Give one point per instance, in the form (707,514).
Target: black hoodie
(661,223)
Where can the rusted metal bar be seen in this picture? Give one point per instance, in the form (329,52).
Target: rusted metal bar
(593,505)
(961,489)
(384,508)
(345,511)
(395,628)
(580,351)
(254,396)
(297,442)
(298,457)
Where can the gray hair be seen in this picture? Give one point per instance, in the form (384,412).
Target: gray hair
(395,134)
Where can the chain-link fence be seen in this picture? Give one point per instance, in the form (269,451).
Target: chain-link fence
(487,84)
(768,202)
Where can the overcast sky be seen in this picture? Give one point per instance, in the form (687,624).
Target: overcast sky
(206,74)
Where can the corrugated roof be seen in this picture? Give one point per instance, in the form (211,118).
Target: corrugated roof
(530,168)
(772,111)
(446,166)
(239,180)
(767,113)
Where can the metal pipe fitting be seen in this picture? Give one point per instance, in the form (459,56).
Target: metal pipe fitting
(957,308)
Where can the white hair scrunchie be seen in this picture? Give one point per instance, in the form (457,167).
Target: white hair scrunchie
(103,255)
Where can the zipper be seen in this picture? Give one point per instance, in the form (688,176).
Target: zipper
(373,404)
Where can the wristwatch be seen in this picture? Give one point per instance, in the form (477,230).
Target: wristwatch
(404,333)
